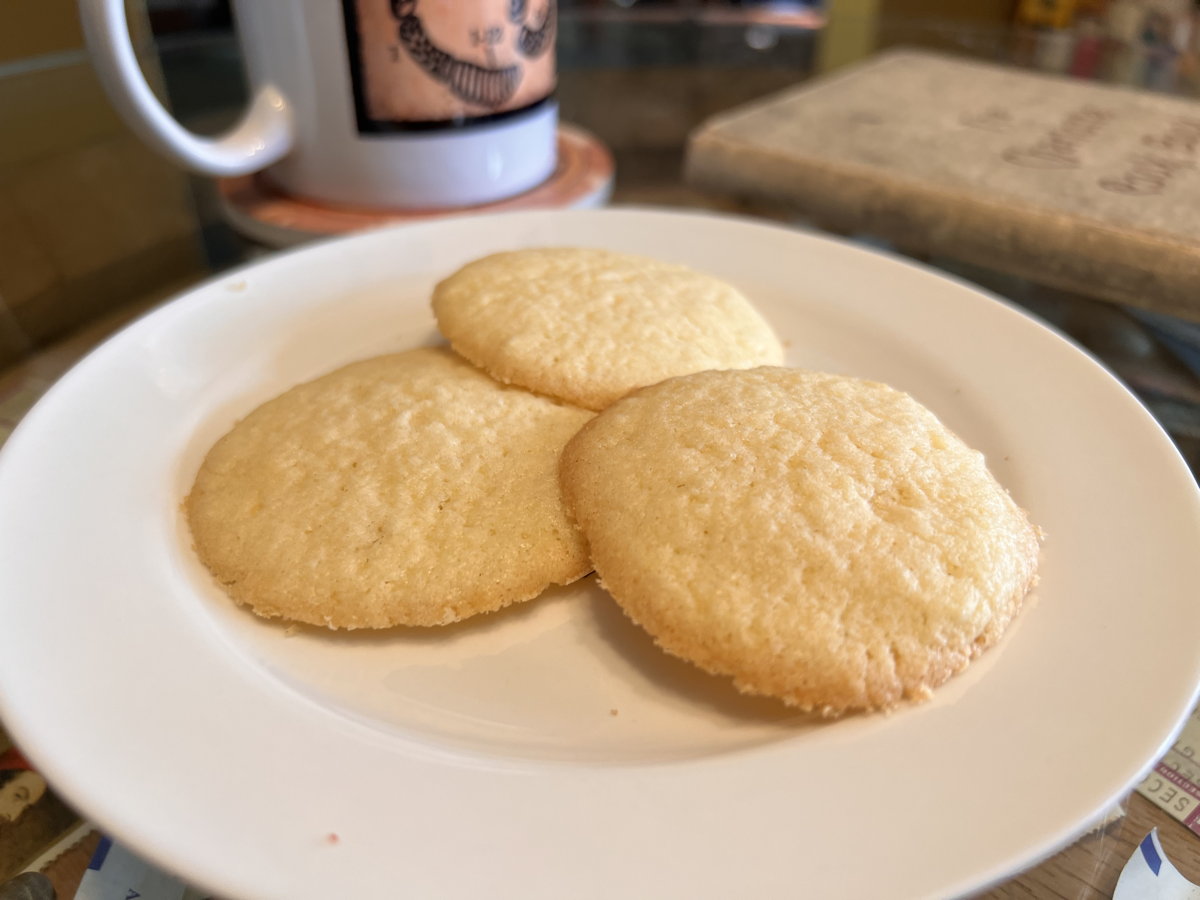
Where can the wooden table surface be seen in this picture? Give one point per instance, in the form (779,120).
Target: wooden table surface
(1089,868)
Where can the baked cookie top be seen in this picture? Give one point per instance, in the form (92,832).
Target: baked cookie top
(587,326)
(407,489)
(821,539)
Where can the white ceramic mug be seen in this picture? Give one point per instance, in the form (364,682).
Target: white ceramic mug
(373,103)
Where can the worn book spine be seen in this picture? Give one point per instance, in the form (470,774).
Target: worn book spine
(1062,251)
(976,209)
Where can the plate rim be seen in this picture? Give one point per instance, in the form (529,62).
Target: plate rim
(65,384)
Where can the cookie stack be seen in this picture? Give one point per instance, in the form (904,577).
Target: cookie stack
(820,539)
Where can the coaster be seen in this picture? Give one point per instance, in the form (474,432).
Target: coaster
(583,179)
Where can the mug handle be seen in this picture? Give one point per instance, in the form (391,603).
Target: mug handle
(263,136)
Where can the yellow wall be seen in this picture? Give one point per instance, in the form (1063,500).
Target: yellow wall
(35,27)
(90,219)
(857,28)
(849,34)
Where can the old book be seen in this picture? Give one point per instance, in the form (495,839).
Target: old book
(1082,186)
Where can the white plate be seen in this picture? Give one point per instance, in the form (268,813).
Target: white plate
(549,751)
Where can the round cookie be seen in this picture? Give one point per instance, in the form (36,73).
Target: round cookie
(588,326)
(408,489)
(821,539)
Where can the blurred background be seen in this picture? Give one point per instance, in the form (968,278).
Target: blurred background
(84,225)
